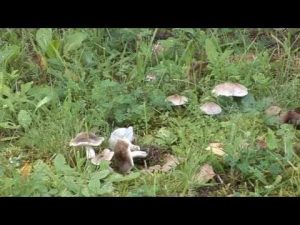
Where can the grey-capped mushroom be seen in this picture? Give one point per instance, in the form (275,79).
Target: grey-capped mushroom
(230,89)
(177,100)
(87,140)
(211,108)
(123,133)
(123,156)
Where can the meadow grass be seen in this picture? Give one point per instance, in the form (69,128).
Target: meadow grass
(55,83)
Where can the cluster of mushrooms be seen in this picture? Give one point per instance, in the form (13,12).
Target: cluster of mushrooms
(121,150)
(237,90)
(211,108)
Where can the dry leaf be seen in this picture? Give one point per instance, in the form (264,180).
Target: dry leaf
(273,110)
(206,173)
(170,162)
(157,48)
(152,169)
(105,155)
(216,148)
(26,169)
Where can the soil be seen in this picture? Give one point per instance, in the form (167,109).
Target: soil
(155,156)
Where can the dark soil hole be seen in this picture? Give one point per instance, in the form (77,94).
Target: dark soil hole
(155,156)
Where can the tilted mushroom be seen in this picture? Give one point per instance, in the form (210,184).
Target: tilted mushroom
(230,89)
(291,117)
(123,157)
(211,108)
(177,99)
(87,140)
(123,133)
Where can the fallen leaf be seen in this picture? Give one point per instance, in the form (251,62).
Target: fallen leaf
(206,174)
(26,169)
(273,110)
(216,148)
(157,48)
(105,155)
(152,169)
(170,162)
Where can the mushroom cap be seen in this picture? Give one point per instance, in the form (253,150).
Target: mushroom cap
(122,156)
(211,108)
(230,89)
(177,99)
(105,155)
(291,117)
(86,139)
(121,133)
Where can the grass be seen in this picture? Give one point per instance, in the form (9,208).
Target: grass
(55,83)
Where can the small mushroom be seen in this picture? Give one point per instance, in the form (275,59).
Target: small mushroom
(151,77)
(87,140)
(230,89)
(123,133)
(211,108)
(123,157)
(105,155)
(177,99)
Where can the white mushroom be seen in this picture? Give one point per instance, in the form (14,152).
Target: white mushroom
(230,89)
(87,140)
(123,157)
(211,108)
(123,133)
(105,155)
(177,99)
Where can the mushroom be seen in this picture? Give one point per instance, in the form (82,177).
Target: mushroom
(211,108)
(123,133)
(105,155)
(291,117)
(177,99)
(230,89)
(123,157)
(87,140)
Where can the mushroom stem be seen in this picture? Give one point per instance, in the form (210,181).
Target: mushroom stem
(138,154)
(134,147)
(90,152)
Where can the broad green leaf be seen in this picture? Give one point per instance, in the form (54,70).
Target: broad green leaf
(42,102)
(119,178)
(24,118)
(26,87)
(71,184)
(100,175)
(105,189)
(94,185)
(43,38)
(61,166)
(73,41)
(211,51)
(271,139)
(8,53)
(4,90)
